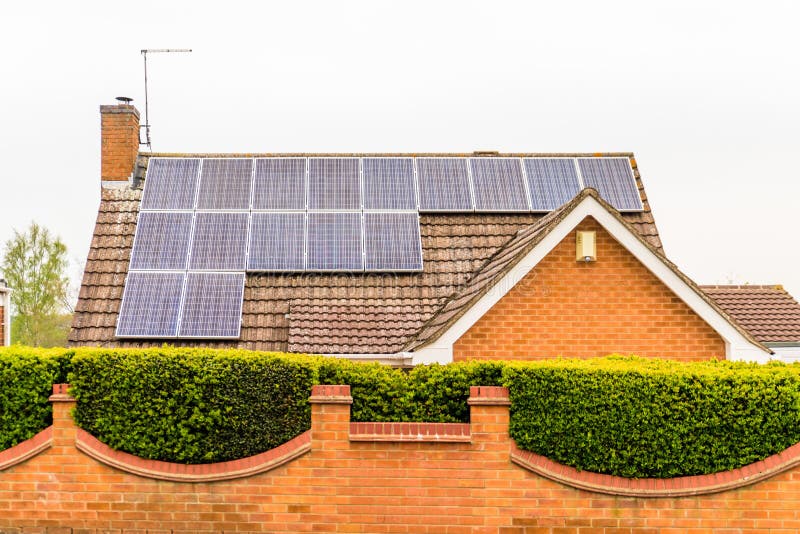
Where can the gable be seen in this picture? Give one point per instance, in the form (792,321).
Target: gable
(470,304)
(574,309)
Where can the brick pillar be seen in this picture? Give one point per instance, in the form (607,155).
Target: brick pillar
(119,141)
(64,429)
(330,417)
(489,418)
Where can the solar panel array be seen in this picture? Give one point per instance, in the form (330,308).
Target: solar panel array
(425,184)
(204,222)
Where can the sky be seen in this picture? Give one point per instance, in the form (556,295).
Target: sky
(705,93)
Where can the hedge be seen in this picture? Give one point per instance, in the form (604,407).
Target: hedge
(433,393)
(27,376)
(192,405)
(620,415)
(653,418)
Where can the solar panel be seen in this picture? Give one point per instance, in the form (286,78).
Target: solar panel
(212,307)
(280,184)
(225,184)
(150,304)
(443,184)
(613,179)
(389,184)
(498,184)
(219,242)
(552,182)
(162,240)
(277,242)
(392,242)
(334,242)
(170,184)
(334,184)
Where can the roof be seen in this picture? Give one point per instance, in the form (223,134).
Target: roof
(768,312)
(331,313)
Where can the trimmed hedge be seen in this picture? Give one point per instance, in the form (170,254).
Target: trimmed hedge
(192,405)
(432,393)
(27,376)
(626,416)
(633,417)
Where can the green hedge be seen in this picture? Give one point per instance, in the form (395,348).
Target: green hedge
(194,406)
(651,418)
(27,376)
(619,415)
(191,405)
(433,393)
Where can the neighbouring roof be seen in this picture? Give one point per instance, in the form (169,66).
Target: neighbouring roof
(768,312)
(333,313)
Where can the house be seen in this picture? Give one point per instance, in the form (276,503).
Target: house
(5,314)
(768,312)
(399,258)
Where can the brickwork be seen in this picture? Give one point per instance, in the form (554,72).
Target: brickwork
(119,141)
(341,485)
(579,310)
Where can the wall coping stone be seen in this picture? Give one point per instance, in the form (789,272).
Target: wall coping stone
(414,432)
(658,487)
(26,449)
(488,396)
(177,472)
(330,394)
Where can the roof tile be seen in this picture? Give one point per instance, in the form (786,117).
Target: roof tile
(769,312)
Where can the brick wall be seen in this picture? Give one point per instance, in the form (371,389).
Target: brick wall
(377,477)
(580,310)
(119,141)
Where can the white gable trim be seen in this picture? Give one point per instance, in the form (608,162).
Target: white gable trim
(737,346)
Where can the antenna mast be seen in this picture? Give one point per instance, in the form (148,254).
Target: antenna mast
(146,124)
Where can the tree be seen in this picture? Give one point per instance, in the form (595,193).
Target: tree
(34,266)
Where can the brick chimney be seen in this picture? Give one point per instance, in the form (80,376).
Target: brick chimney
(119,141)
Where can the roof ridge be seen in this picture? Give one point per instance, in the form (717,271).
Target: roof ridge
(476,154)
(776,287)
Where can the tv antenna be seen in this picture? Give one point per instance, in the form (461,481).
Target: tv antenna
(146,124)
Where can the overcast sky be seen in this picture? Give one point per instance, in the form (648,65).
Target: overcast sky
(706,94)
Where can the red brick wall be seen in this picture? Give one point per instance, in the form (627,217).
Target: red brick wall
(419,484)
(582,310)
(119,141)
